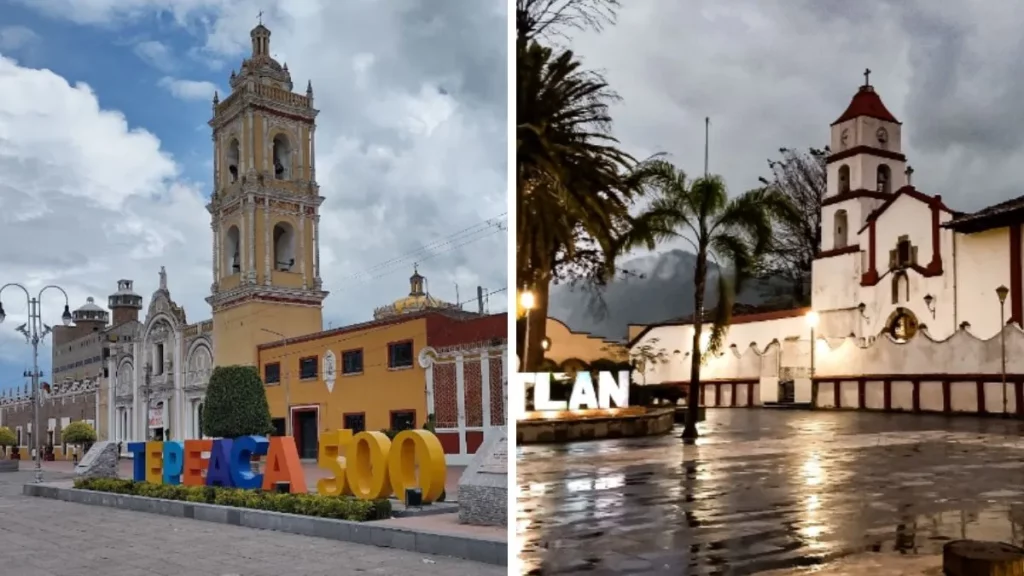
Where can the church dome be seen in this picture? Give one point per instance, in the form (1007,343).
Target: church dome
(418,300)
(90,312)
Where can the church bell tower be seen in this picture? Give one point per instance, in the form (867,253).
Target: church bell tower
(265,210)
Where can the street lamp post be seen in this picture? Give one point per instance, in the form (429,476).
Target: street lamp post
(527,301)
(35,331)
(1001,292)
(812,321)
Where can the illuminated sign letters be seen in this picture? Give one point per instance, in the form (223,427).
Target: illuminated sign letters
(611,392)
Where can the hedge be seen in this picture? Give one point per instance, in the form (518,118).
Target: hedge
(340,507)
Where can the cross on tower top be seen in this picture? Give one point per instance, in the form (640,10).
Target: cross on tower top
(867,74)
(260,17)
(910,173)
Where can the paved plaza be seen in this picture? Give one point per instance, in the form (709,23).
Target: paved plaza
(772,492)
(42,537)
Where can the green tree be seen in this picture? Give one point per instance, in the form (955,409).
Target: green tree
(733,233)
(574,186)
(647,355)
(800,177)
(7,439)
(236,404)
(79,433)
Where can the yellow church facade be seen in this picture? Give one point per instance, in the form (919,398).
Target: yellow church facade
(265,211)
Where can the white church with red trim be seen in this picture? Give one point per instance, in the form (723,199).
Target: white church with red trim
(908,297)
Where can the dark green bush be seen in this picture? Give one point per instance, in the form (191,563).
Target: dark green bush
(340,507)
(236,404)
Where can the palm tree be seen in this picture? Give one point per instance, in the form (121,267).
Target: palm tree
(732,233)
(571,177)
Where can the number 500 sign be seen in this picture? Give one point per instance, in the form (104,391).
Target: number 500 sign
(370,466)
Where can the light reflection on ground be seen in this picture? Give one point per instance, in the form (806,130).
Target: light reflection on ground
(769,490)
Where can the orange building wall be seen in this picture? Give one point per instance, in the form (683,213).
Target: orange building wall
(566,344)
(375,393)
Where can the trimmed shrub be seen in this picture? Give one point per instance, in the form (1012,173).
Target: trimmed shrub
(78,433)
(7,437)
(236,404)
(340,507)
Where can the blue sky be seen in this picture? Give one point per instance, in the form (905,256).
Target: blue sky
(109,181)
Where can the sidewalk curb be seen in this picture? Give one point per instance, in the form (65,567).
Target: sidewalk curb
(485,550)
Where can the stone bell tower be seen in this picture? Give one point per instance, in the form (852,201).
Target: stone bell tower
(265,210)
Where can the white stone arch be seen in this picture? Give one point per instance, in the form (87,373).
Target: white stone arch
(147,335)
(199,357)
(125,370)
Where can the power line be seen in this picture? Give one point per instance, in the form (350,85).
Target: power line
(440,246)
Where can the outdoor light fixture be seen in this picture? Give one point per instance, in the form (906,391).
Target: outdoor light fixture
(929,302)
(861,308)
(35,331)
(812,319)
(1001,292)
(546,343)
(526,300)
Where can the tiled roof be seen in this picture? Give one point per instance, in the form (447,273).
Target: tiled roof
(866,102)
(987,218)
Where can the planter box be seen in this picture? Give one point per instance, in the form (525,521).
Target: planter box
(8,465)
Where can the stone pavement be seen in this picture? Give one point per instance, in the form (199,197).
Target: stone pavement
(772,491)
(41,537)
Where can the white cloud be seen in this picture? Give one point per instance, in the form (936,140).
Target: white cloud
(411,147)
(85,200)
(156,54)
(188,89)
(16,37)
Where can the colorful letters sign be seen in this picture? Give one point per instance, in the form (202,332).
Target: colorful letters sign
(366,465)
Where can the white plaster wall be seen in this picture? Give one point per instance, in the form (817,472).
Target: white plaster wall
(849,394)
(874,395)
(994,398)
(835,281)
(982,265)
(867,127)
(961,353)
(902,395)
(907,216)
(826,395)
(741,356)
(854,217)
(931,396)
(963,396)
(725,397)
(757,393)
(767,390)
(741,394)
(802,391)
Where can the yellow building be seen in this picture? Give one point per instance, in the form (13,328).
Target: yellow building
(368,376)
(265,210)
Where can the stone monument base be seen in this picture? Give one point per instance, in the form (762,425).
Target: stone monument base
(483,488)
(99,462)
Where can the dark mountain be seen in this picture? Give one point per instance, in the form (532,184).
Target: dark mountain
(664,291)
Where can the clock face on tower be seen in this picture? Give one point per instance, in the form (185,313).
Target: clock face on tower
(844,138)
(882,136)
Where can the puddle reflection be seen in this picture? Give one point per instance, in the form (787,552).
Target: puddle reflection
(661,506)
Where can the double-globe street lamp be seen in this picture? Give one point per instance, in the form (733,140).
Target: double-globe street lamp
(35,331)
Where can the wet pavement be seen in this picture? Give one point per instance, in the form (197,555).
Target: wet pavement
(771,491)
